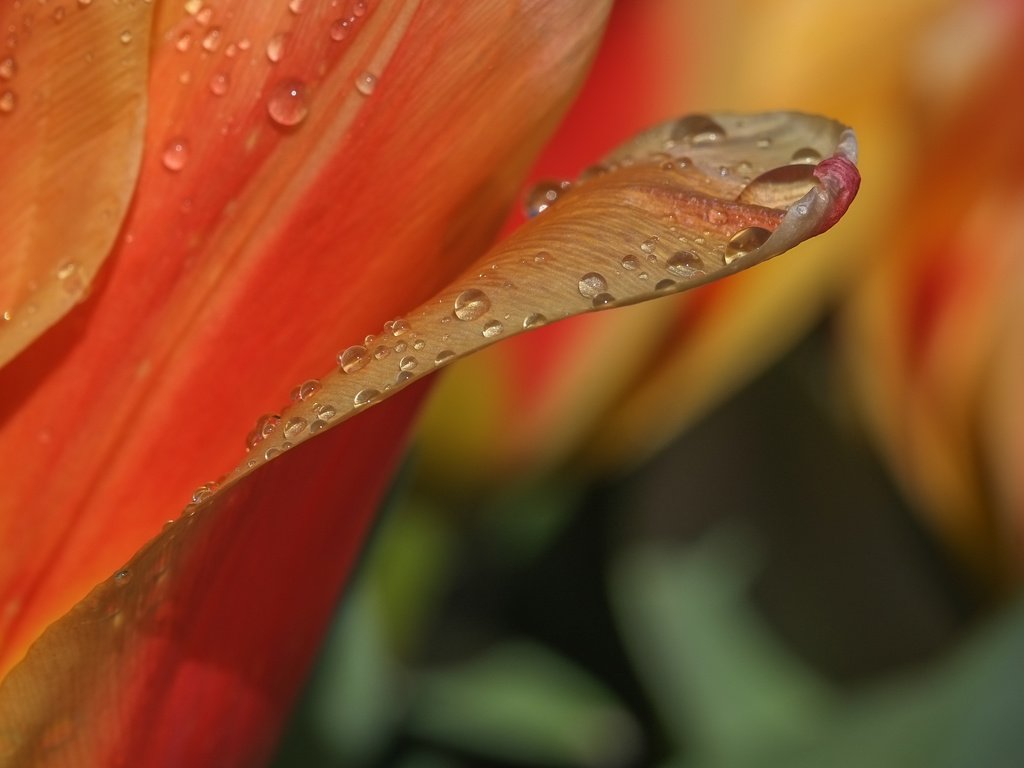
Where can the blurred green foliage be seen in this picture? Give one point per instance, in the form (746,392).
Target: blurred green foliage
(758,595)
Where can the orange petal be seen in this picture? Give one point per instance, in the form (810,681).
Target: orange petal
(214,621)
(72,110)
(251,245)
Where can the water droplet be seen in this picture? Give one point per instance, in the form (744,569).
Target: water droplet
(540,257)
(325,411)
(603,300)
(305,390)
(381,352)
(8,101)
(745,241)
(219,84)
(399,327)
(407,363)
(685,264)
(318,425)
(492,328)
(697,129)
(780,186)
(806,155)
(123,576)
(275,47)
(664,285)
(365,397)
(419,344)
(403,377)
(125,37)
(353,358)
(295,6)
(294,427)
(175,154)
(648,245)
(183,42)
(471,304)
(543,195)
(203,492)
(630,262)
(287,104)
(592,284)
(66,270)
(211,40)
(271,453)
(339,30)
(192,7)
(534,320)
(366,83)
(359,7)
(444,356)
(8,68)
(400,347)
(266,424)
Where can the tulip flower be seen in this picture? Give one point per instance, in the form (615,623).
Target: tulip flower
(305,174)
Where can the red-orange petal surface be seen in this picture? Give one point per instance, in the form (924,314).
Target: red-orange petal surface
(252,245)
(72,114)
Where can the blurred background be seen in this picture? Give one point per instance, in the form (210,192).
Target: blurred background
(775,521)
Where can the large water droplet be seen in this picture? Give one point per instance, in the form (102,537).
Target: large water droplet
(492,328)
(745,241)
(444,356)
(543,195)
(630,262)
(365,397)
(779,187)
(471,304)
(288,104)
(305,390)
(175,154)
(806,155)
(685,264)
(353,358)
(265,425)
(366,83)
(294,427)
(534,320)
(592,284)
(696,129)
(407,363)
(325,411)
(219,84)
(8,101)
(275,47)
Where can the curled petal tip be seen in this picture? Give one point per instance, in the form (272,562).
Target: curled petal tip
(841,180)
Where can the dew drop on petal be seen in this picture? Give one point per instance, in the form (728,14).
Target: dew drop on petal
(219,84)
(8,68)
(685,264)
(125,37)
(543,195)
(211,40)
(359,8)
(353,358)
(381,352)
(365,397)
(325,411)
(175,154)
(444,356)
(318,425)
(534,320)
(471,304)
(592,284)
(123,576)
(366,83)
(8,101)
(648,245)
(630,262)
(294,427)
(745,241)
(275,47)
(697,129)
(295,6)
(806,155)
(780,186)
(288,104)
(603,300)
(492,328)
(339,30)
(407,363)
(664,285)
